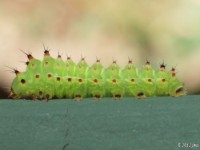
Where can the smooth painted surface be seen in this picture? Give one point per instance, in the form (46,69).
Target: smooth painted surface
(154,123)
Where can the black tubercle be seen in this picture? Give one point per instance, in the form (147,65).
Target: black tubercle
(23,81)
(46,51)
(97,96)
(130,60)
(98,60)
(148,62)
(78,96)
(29,55)
(173,69)
(27,63)
(162,66)
(114,61)
(118,96)
(59,55)
(140,94)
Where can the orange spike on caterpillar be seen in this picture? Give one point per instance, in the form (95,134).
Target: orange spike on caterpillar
(29,55)
(13,70)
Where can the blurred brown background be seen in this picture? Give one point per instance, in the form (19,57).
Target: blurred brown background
(140,29)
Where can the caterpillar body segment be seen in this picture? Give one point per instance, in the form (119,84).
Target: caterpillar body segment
(147,80)
(69,86)
(48,63)
(96,81)
(162,83)
(132,81)
(59,67)
(34,65)
(114,81)
(70,67)
(55,78)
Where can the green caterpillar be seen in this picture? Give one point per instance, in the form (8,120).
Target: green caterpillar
(55,78)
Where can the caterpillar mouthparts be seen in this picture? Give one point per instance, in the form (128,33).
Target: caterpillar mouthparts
(55,78)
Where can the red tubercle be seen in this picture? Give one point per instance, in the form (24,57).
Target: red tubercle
(82,58)
(29,56)
(130,61)
(37,76)
(80,80)
(23,81)
(148,63)
(59,56)
(13,70)
(162,67)
(27,63)
(114,80)
(173,74)
(69,79)
(132,80)
(17,72)
(95,80)
(173,70)
(114,62)
(98,60)
(58,78)
(49,75)
(46,53)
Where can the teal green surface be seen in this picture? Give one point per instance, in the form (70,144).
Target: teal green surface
(147,124)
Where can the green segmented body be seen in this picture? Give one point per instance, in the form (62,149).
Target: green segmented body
(54,78)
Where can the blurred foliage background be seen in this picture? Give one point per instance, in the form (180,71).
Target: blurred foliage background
(158,30)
